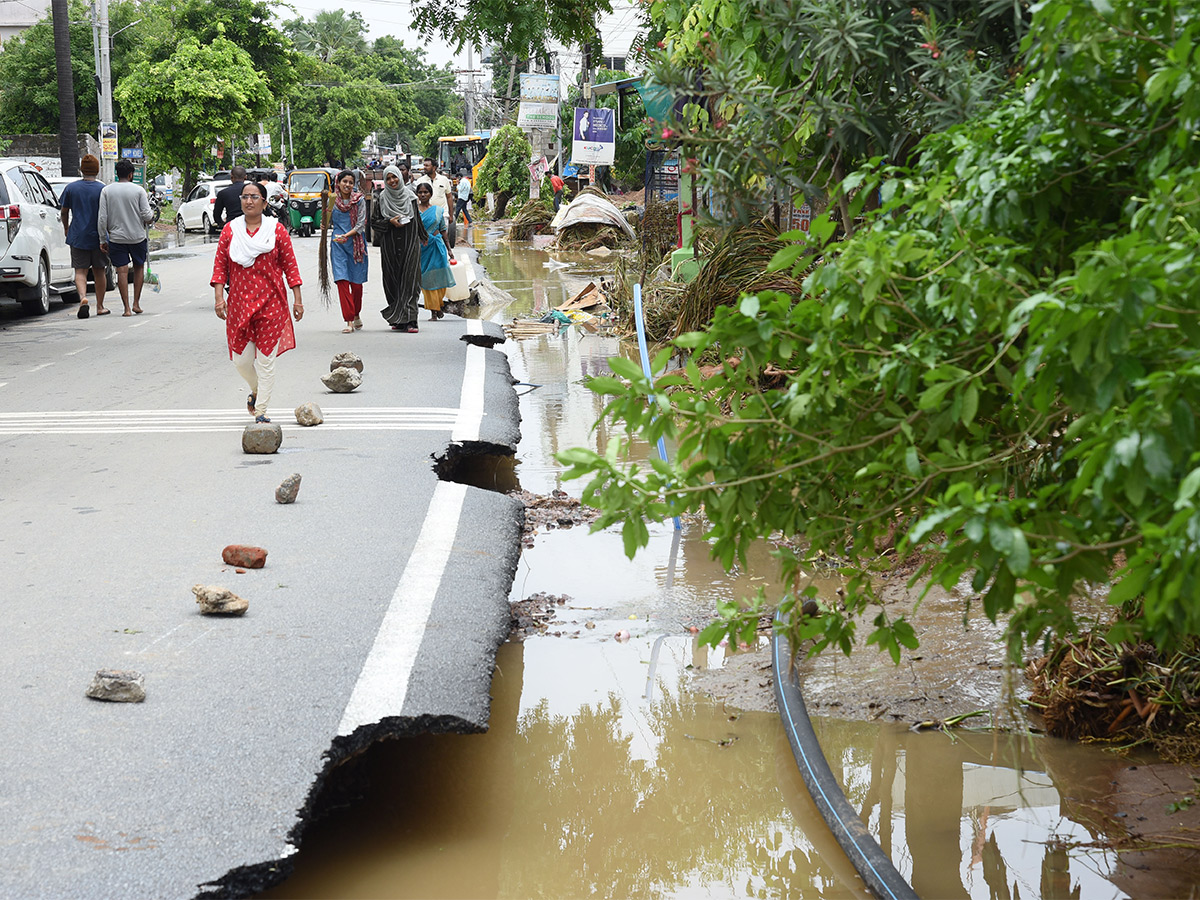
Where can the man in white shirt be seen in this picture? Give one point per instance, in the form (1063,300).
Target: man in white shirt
(443,193)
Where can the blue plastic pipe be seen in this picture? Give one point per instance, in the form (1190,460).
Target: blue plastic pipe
(645,354)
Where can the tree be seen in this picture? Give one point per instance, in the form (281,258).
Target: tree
(330,123)
(329,31)
(68,145)
(799,92)
(186,102)
(427,141)
(998,368)
(505,170)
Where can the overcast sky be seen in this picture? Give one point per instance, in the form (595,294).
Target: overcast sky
(384,17)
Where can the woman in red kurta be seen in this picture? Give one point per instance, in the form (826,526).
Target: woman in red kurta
(255,257)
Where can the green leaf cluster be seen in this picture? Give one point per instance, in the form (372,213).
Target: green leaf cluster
(506,167)
(1000,367)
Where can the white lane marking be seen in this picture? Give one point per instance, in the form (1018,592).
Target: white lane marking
(470,403)
(3,383)
(39,368)
(73,352)
(110,335)
(382,686)
(138,324)
(162,636)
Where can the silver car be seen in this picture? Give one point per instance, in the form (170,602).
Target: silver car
(35,261)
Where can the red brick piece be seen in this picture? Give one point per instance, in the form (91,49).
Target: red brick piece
(244,556)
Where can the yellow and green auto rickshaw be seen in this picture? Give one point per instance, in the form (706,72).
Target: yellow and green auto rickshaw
(304,187)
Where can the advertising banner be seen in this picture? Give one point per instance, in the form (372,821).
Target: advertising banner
(108,140)
(594,141)
(539,102)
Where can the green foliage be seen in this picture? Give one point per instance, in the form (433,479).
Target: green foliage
(200,93)
(1000,366)
(799,92)
(329,31)
(506,168)
(427,141)
(629,166)
(329,123)
(515,30)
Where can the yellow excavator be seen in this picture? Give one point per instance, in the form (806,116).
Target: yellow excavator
(462,151)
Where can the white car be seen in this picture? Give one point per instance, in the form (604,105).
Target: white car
(196,212)
(35,261)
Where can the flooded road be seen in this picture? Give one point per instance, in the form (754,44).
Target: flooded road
(603,773)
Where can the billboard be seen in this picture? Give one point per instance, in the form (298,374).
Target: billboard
(594,140)
(539,102)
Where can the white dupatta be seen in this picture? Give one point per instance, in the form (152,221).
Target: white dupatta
(244,249)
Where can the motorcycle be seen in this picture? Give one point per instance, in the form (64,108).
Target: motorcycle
(156,205)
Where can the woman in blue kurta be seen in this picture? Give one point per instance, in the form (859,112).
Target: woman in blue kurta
(348,221)
(436,274)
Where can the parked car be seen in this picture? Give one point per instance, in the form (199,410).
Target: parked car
(196,212)
(35,261)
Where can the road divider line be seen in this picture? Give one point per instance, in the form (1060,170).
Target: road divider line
(382,685)
(110,336)
(470,403)
(39,368)
(73,352)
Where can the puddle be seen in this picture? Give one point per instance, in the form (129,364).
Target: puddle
(605,773)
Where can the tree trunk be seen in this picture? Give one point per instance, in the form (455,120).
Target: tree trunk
(68,130)
(502,199)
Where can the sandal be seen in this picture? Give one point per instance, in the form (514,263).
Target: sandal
(357,323)
(349,329)
(250,401)
(262,420)
(412,329)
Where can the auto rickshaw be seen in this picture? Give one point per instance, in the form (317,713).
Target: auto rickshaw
(304,187)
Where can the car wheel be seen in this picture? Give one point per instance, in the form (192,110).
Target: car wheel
(208,225)
(179,226)
(39,305)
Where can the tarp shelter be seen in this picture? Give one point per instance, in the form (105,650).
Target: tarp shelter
(589,209)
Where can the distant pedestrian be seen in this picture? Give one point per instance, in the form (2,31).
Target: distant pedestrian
(443,193)
(436,274)
(557,185)
(80,219)
(228,205)
(255,258)
(121,221)
(464,198)
(347,221)
(401,235)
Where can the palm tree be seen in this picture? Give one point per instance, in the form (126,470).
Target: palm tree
(328,32)
(68,137)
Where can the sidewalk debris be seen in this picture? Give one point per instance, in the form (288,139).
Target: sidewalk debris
(244,555)
(309,414)
(262,437)
(342,380)
(346,360)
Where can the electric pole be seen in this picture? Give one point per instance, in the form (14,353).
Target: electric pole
(103,79)
(469,97)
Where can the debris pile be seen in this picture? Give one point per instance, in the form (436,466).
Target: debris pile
(549,512)
(588,309)
(534,218)
(533,615)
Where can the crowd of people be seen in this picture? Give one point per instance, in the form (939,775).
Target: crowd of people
(411,220)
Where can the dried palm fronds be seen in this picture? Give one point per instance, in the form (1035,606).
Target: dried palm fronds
(533,218)
(736,264)
(658,230)
(583,236)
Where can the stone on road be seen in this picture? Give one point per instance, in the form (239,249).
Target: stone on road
(219,601)
(288,489)
(346,360)
(244,555)
(309,414)
(262,437)
(118,686)
(342,380)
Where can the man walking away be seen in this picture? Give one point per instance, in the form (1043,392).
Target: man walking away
(464,198)
(122,220)
(443,193)
(80,212)
(557,185)
(229,199)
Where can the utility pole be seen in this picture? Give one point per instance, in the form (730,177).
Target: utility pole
(469,98)
(103,78)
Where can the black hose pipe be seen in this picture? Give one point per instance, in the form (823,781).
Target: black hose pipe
(868,858)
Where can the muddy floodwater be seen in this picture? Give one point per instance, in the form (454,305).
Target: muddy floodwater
(606,773)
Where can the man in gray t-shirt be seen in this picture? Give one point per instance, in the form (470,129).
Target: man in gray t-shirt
(124,214)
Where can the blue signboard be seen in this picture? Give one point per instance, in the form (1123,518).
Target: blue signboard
(132,153)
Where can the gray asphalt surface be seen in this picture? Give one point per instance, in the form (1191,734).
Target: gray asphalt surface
(123,480)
